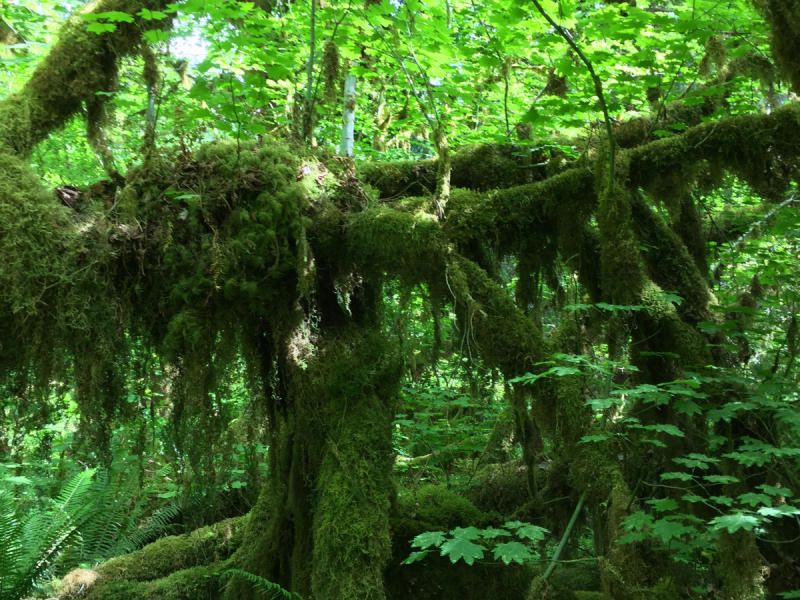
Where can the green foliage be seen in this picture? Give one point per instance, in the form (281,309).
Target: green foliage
(468,544)
(271,590)
(32,544)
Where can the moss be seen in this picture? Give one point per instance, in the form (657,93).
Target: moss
(740,565)
(382,240)
(758,148)
(174,553)
(622,276)
(351,541)
(689,226)
(582,595)
(784,19)
(198,583)
(437,505)
(675,337)
(580,576)
(669,262)
(502,488)
(505,337)
(479,168)
(79,65)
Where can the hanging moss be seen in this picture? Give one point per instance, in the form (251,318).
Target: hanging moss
(658,334)
(783,17)
(79,65)
(758,148)
(491,323)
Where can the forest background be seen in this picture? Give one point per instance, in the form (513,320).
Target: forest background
(399,299)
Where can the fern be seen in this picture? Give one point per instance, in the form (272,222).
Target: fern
(115,527)
(273,590)
(31,545)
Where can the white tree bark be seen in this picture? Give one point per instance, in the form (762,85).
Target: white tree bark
(349,116)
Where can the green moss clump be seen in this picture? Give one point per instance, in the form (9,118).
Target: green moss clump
(168,555)
(198,583)
(475,168)
(502,488)
(583,576)
(386,241)
(583,595)
(758,148)
(436,505)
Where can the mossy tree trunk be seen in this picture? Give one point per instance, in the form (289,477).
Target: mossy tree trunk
(321,526)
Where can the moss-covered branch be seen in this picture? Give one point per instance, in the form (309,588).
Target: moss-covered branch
(78,66)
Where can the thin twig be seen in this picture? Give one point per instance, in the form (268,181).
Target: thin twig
(598,86)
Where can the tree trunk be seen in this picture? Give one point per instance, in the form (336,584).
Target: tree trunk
(321,526)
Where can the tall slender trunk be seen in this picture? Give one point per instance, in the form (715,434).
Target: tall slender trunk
(348,116)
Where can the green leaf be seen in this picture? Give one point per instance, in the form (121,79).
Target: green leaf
(114,16)
(459,548)
(666,530)
(700,461)
(663,504)
(637,521)
(491,533)
(775,491)
(668,429)
(720,479)
(151,15)
(724,500)
(669,297)
(790,595)
(755,499)
(784,510)
(602,437)
(531,532)
(154,36)
(17,480)
(415,556)
(100,28)
(469,533)
(428,539)
(687,407)
(735,522)
(512,552)
(676,475)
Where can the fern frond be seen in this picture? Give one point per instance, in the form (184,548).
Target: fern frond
(273,590)
(159,524)
(73,496)
(10,546)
